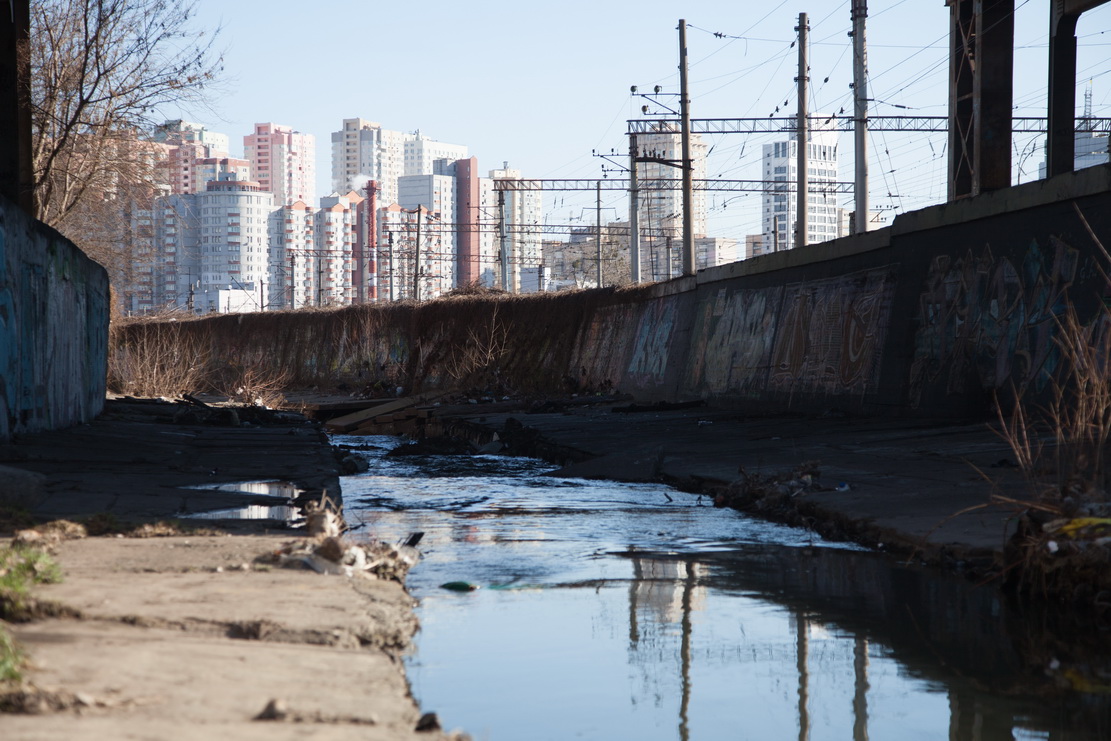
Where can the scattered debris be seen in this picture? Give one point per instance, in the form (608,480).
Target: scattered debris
(279,710)
(326,551)
(48,536)
(28,699)
(769,492)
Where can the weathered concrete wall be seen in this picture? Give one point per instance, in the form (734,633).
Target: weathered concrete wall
(53,328)
(927,317)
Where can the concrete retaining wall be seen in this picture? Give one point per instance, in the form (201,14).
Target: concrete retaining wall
(53,328)
(927,317)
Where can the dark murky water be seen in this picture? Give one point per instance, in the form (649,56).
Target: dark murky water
(615,611)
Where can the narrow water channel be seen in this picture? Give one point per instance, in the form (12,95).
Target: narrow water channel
(618,611)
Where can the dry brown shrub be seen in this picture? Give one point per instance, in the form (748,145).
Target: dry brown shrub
(157,358)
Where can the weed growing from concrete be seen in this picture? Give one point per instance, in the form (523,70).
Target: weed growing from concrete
(1062,446)
(20,569)
(11,658)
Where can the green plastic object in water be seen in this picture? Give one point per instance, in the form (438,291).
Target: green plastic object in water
(459,586)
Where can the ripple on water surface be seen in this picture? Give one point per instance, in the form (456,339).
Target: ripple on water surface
(609,611)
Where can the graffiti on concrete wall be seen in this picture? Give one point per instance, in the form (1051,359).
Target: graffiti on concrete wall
(984,323)
(600,352)
(733,338)
(831,333)
(820,336)
(653,342)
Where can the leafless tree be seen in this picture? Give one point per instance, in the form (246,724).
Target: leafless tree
(102,70)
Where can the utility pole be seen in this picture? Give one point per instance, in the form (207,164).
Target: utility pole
(504,238)
(634,211)
(688,166)
(801,226)
(389,263)
(860,114)
(598,235)
(292,280)
(416,258)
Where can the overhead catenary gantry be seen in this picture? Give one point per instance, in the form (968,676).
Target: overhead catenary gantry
(708,184)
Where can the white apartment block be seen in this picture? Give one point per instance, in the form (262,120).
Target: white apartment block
(283,162)
(291,256)
(488,242)
(234,230)
(825,219)
(403,269)
(435,193)
(334,227)
(421,153)
(183,144)
(660,210)
(524,240)
(362,150)
(177,237)
(186,132)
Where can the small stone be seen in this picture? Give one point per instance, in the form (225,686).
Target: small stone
(276,709)
(428,722)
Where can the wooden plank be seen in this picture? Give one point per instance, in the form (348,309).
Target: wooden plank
(349,422)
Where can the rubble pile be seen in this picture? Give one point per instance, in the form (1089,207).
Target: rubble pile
(1065,557)
(327,551)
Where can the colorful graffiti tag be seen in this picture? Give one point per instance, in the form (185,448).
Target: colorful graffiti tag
(831,332)
(733,339)
(983,323)
(653,342)
(819,336)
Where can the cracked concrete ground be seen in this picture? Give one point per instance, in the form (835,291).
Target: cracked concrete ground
(176,640)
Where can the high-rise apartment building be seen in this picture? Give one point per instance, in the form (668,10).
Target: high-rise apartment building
(283,162)
(523,241)
(291,256)
(779,205)
(234,249)
(660,210)
(184,143)
(362,150)
(334,237)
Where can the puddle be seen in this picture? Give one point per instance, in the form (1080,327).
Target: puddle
(283,489)
(284,513)
(629,611)
(282,509)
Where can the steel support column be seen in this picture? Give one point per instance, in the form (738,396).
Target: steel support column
(981,91)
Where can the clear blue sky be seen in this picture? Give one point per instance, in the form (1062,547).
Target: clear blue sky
(542,84)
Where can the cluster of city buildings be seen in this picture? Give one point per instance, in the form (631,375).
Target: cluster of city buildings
(410,217)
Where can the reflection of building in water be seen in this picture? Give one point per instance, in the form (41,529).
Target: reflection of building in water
(658,585)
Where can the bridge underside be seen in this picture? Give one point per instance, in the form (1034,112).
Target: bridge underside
(981,91)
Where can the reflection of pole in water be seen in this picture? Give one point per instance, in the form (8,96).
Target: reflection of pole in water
(685,653)
(634,627)
(860,696)
(802,626)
